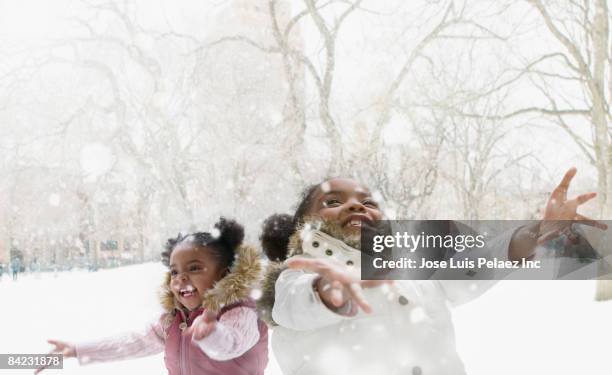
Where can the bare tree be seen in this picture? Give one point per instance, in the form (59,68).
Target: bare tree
(583,58)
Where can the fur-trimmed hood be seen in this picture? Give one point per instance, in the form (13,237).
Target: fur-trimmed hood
(275,268)
(236,286)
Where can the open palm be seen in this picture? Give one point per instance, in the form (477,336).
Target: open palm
(561,212)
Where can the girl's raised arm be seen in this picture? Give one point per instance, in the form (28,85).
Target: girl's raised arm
(234,334)
(148,341)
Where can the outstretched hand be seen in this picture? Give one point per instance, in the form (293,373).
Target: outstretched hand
(202,326)
(337,284)
(60,347)
(561,212)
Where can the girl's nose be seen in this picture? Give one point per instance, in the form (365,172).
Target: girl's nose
(355,205)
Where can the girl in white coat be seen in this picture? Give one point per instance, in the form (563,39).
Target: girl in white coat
(326,320)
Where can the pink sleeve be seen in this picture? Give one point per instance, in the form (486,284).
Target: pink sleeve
(148,341)
(236,332)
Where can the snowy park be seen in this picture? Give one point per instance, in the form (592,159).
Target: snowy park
(126,122)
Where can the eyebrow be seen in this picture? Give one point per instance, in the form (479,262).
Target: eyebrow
(366,193)
(191,261)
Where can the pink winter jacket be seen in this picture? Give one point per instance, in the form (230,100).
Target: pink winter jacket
(238,345)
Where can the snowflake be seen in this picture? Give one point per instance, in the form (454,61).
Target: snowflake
(325,187)
(417,315)
(256,294)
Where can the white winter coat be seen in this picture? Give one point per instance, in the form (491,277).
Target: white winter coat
(410,330)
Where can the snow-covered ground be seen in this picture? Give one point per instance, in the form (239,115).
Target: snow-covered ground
(518,327)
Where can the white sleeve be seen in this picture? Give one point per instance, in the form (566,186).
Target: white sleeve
(235,333)
(297,306)
(461,291)
(148,341)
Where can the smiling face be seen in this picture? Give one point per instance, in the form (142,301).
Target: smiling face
(193,270)
(345,202)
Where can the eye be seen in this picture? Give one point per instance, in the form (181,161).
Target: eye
(173,273)
(370,203)
(331,202)
(195,268)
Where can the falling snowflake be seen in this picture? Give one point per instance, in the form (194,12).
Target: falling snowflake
(325,187)
(377,196)
(417,315)
(256,294)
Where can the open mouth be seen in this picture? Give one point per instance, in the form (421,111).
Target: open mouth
(356,221)
(188,291)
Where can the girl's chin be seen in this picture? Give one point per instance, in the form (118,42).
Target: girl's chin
(192,306)
(191,303)
(352,230)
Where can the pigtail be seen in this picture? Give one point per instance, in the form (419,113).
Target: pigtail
(275,234)
(278,228)
(231,233)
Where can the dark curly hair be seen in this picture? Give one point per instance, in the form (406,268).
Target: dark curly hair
(278,228)
(223,246)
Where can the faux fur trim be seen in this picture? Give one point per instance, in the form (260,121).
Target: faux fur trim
(274,269)
(234,287)
(268,291)
(324,225)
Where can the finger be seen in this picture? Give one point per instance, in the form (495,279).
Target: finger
(583,198)
(209,328)
(375,283)
(38,370)
(303,263)
(591,222)
(194,325)
(56,343)
(357,295)
(57,346)
(210,316)
(548,236)
(198,332)
(336,294)
(203,330)
(324,268)
(565,182)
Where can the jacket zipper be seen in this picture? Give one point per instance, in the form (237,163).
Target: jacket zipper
(184,368)
(182,354)
(183,363)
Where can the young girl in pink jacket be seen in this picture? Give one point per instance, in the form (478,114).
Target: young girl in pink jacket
(210,325)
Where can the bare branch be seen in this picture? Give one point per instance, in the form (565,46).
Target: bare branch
(565,41)
(523,111)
